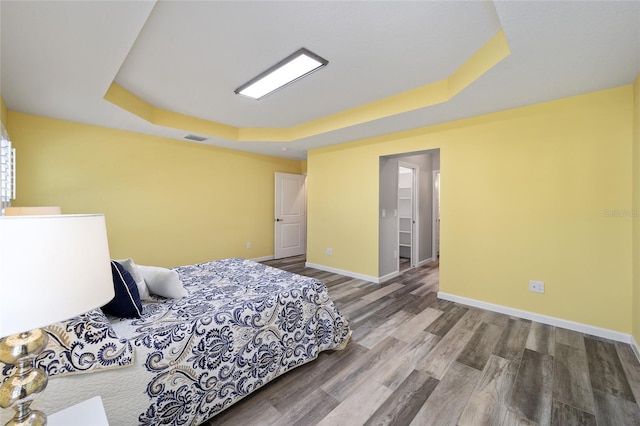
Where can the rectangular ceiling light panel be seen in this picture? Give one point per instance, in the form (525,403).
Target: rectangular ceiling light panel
(290,69)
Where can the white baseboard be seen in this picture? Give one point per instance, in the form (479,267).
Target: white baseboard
(342,272)
(424,262)
(635,347)
(558,322)
(387,277)
(262,259)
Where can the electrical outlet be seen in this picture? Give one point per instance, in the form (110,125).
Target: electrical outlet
(249,245)
(395,254)
(329,251)
(536,286)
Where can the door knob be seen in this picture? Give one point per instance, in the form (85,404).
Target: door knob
(278,220)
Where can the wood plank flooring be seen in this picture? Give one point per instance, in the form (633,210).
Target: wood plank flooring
(416,360)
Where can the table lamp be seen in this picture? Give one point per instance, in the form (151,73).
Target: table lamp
(52,268)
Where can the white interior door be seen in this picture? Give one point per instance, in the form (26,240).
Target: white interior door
(291,218)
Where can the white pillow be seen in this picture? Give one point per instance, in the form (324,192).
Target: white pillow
(132,269)
(163,281)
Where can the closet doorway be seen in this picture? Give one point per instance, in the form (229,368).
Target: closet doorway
(408,218)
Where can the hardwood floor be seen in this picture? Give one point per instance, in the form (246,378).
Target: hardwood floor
(416,360)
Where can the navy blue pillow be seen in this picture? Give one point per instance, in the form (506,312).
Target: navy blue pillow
(126,303)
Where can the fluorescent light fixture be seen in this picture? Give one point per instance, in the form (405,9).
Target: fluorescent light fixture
(285,72)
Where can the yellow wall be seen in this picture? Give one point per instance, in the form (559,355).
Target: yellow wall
(526,194)
(636,210)
(166,202)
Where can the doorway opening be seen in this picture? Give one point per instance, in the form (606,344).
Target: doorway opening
(408,212)
(408,218)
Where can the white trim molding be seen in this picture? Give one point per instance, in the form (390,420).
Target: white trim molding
(635,347)
(263,258)
(342,272)
(558,322)
(387,277)
(424,262)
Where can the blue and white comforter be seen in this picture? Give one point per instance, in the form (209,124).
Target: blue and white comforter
(241,325)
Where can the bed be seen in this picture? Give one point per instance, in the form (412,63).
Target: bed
(240,325)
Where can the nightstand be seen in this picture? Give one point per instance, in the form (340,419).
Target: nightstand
(87,413)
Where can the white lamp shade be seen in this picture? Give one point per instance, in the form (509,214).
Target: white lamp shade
(52,268)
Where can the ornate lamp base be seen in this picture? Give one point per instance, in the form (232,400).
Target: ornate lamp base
(19,390)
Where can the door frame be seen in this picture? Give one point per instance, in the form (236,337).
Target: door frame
(435,217)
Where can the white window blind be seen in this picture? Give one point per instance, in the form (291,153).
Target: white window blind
(7,171)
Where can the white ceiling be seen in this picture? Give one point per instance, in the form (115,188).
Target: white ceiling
(58,59)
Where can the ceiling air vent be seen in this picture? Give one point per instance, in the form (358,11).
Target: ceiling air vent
(196,138)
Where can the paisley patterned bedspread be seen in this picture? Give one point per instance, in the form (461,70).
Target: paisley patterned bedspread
(242,325)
